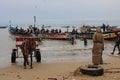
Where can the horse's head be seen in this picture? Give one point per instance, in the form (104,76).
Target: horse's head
(32,44)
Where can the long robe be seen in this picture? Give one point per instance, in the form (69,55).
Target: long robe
(98,46)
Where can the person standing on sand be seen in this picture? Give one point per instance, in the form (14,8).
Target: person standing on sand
(85,39)
(98,47)
(104,27)
(117,43)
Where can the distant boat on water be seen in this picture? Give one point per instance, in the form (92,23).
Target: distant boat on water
(3,27)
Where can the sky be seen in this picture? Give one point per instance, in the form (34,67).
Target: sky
(58,11)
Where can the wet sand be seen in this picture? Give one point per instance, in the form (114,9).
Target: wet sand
(61,71)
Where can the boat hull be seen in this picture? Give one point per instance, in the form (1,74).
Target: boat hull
(106,35)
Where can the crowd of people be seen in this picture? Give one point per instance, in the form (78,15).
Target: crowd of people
(88,29)
(34,30)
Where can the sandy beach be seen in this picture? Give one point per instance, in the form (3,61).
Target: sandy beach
(61,71)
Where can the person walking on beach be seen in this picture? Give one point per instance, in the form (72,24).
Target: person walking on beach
(98,47)
(117,43)
(85,39)
(104,27)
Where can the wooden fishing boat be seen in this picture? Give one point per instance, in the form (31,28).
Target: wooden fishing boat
(20,34)
(13,32)
(3,27)
(108,35)
(55,36)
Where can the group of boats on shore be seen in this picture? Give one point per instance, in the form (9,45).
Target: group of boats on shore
(41,33)
(57,34)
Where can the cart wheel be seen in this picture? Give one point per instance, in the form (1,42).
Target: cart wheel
(13,57)
(38,56)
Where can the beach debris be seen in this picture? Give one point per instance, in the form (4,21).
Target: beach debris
(11,72)
(19,77)
(38,78)
(93,70)
(77,72)
(52,78)
(2,74)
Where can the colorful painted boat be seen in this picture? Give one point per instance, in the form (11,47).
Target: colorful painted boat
(56,36)
(17,34)
(107,35)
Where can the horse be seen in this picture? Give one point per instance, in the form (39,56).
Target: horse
(27,47)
